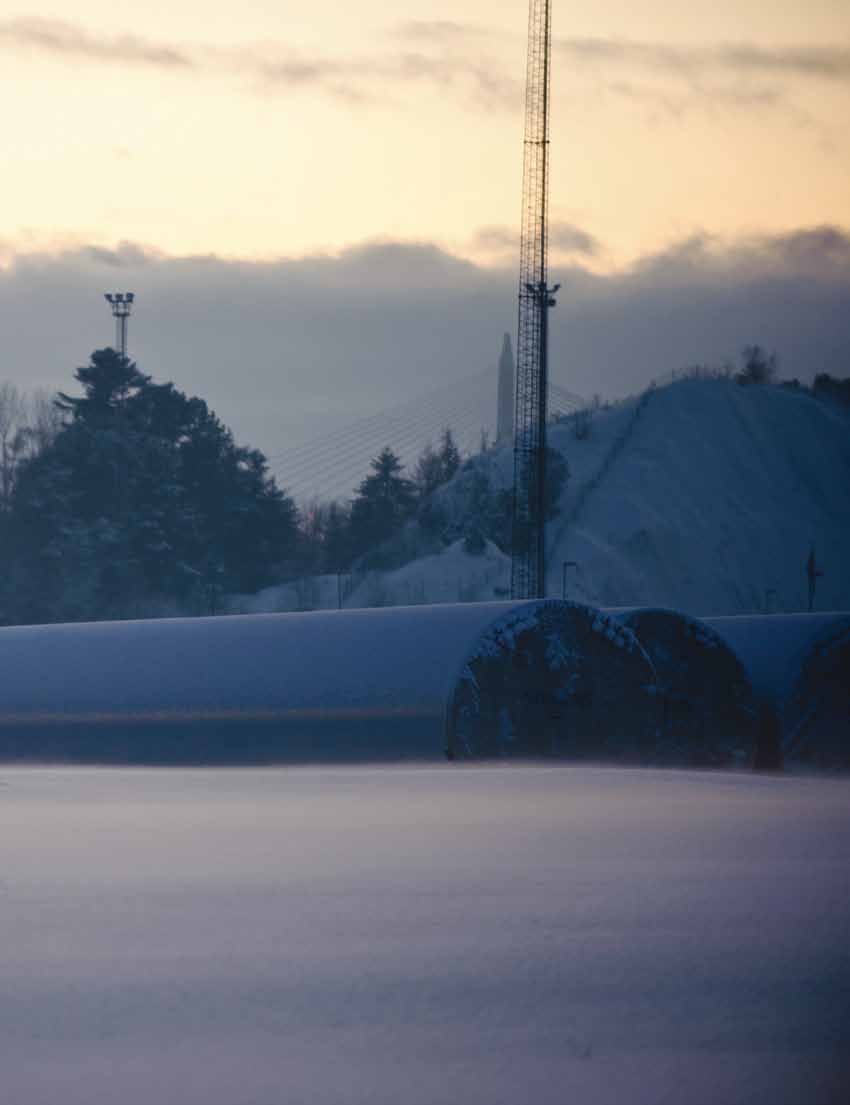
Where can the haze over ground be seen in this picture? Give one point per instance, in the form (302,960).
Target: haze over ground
(435,936)
(319,211)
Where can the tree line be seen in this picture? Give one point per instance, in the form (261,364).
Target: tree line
(133,499)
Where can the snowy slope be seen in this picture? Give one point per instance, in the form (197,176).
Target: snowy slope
(702,496)
(712,503)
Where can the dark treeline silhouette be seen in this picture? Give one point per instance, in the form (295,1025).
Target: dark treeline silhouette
(832,388)
(132,499)
(757,366)
(394,518)
(138,502)
(366,531)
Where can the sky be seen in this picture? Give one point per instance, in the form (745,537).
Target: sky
(357,169)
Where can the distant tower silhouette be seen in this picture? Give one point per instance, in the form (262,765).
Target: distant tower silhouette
(122,307)
(505,421)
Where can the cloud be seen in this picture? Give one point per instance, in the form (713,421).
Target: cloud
(568,238)
(465,58)
(820,253)
(831,63)
(673,77)
(818,250)
(677,78)
(126,255)
(290,349)
(495,239)
(69,40)
(564,238)
(270,67)
(822,62)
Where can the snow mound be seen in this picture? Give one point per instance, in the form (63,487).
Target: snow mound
(452,575)
(711,500)
(701,496)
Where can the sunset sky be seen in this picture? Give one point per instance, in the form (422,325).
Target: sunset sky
(267,128)
(270,131)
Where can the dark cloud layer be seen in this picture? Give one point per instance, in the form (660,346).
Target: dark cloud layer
(286,350)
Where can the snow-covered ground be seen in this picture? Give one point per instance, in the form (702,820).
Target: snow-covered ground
(440,936)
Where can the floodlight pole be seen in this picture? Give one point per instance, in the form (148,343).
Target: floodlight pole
(122,307)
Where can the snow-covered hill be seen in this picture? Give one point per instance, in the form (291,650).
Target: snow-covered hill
(711,501)
(701,495)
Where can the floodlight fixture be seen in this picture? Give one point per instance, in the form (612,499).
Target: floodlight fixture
(122,305)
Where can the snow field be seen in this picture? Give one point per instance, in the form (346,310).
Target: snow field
(432,936)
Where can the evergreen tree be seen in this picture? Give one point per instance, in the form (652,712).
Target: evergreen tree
(436,467)
(832,387)
(108,381)
(757,366)
(428,471)
(384,502)
(143,494)
(336,541)
(449,456)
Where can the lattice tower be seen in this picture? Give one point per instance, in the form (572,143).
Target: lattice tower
(528,561)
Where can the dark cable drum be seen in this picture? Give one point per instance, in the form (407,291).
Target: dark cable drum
(817,713)
(556,679)
(708,709)
(353,685)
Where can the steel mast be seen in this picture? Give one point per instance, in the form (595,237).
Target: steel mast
(528,552)
(122,307)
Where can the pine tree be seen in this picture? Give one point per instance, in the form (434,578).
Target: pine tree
(384,502)
(336,540)
(449,455)
(758,366)
(436,467)
(142,494)
(108,381)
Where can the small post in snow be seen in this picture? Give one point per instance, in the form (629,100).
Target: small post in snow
(814,573)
